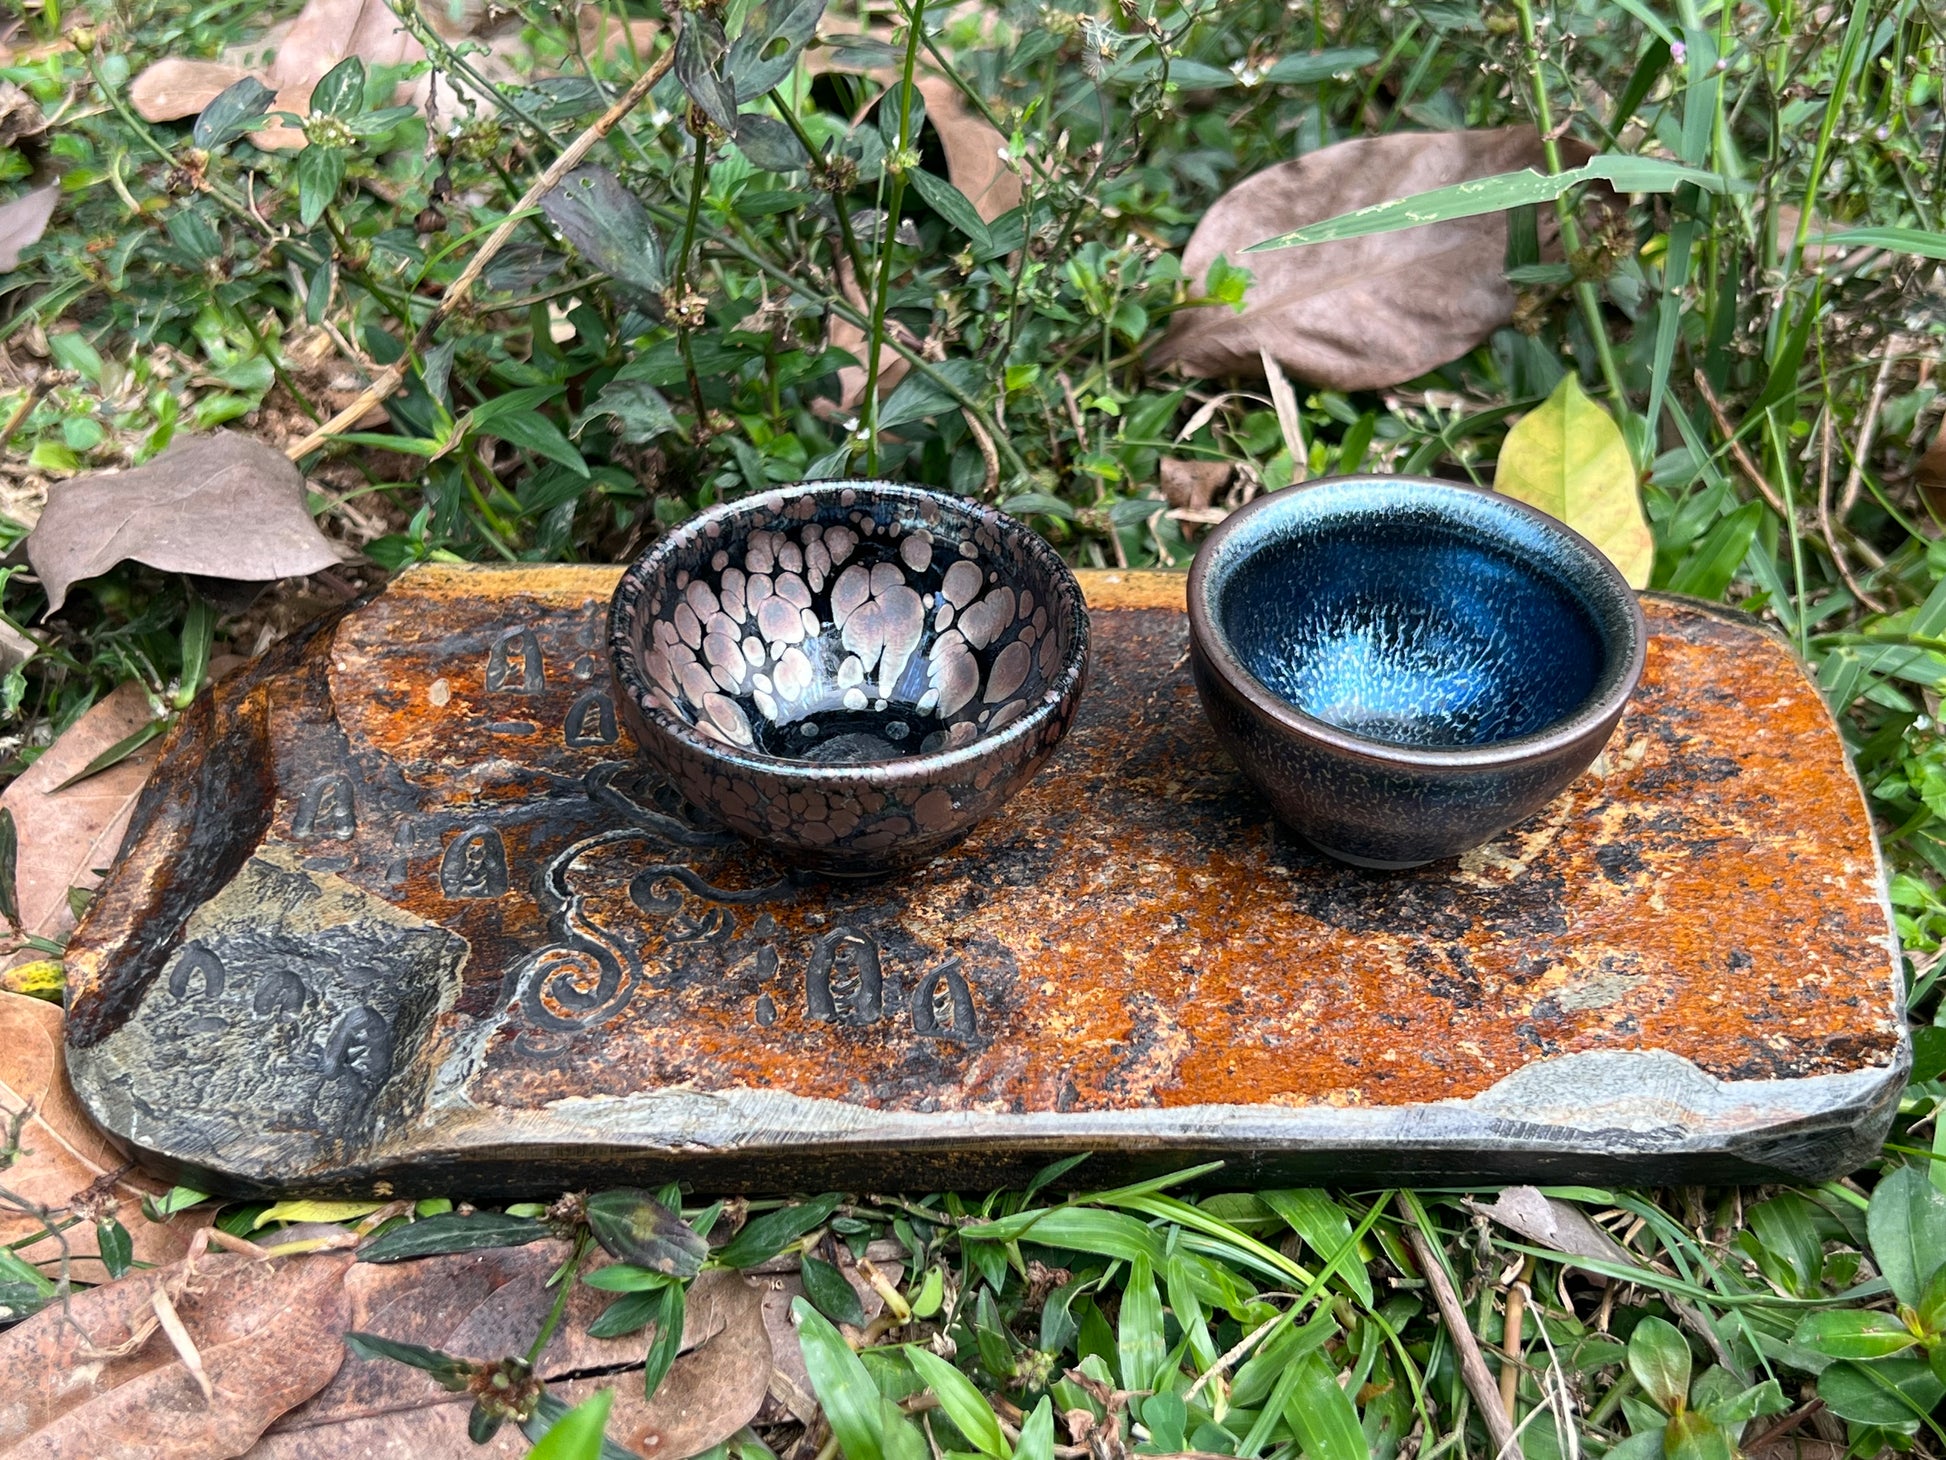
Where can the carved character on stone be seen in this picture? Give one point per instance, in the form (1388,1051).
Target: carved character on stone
(475,864)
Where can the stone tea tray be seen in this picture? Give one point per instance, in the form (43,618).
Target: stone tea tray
(399,914)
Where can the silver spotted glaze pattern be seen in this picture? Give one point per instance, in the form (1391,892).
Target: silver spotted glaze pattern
(852,674)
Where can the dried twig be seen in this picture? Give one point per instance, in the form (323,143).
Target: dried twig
(390,378)
(1868,428)
(1744,463)
(1473,1365)
(1825,523)
(179,1339)
(1510,1342)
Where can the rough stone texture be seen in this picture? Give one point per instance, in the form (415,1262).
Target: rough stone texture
(379,928)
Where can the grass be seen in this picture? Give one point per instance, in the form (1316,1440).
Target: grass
(1776,394)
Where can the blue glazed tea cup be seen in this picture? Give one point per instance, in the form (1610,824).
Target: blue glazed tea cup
(1404,667)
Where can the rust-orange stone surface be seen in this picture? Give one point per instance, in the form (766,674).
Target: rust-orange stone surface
(401,912)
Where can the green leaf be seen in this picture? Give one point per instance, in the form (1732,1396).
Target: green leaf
(1693,1435)
(320,171)
(238,108)
(1141,1346)
(1786,1225)
(1497,193)
(852,1404)
(1081,1229)
(636,1228)
(452,1232)
(828,1291)
(115,754)
(533,431)
(769,144)
(671,1305)
(1853,1335)
(548,1412)
(597,213)
(175,1199)
(1326,1230)
(1889,1392)
(452,1373)
(1758,1399)
(773,37)
(1315,66)
(965,1406)
(952,205)
(341,90)
(932,1294)
(1906,1223)
(624,1277)
(630,1313)
(1037,1433)
(116,1247)
(919,395)
(762,1238)
(699,66)
(1567,457)
(1322,1415)
(1899,240)
(1932,1304)
(577,1434)
(639,409)
(1713,562)
(1658,1356)
(9,868)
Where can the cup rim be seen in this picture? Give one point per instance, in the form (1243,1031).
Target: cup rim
(631,592)
(1601,706)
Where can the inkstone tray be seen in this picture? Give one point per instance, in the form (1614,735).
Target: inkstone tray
(399,913)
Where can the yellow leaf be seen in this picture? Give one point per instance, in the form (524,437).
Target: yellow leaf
(315,1211)
(1568,458)
(44,979)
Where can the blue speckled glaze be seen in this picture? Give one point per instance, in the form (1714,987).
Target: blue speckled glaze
(1406,667)
(1410,629)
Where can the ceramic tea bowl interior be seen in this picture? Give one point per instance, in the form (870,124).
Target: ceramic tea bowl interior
(1406,668)
(851,674)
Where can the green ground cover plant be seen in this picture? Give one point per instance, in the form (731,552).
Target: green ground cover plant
(1726,254)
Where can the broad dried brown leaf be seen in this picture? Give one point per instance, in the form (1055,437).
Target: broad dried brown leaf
(485,1305)
(63,1154)
(1362,313)
(270,1335)
(225,506)
(23,221)
(291,57)
(67,837)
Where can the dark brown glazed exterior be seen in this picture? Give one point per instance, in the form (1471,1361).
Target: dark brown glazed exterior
(776,656)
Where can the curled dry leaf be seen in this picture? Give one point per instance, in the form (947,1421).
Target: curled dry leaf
(483,1305)
(225,506)
(1361,313)
(22,222)
(1567,457)
(1191,485)
(63,1154)
(67,837)
(102,1381)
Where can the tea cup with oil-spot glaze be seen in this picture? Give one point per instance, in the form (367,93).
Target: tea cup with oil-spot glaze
(850,674)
